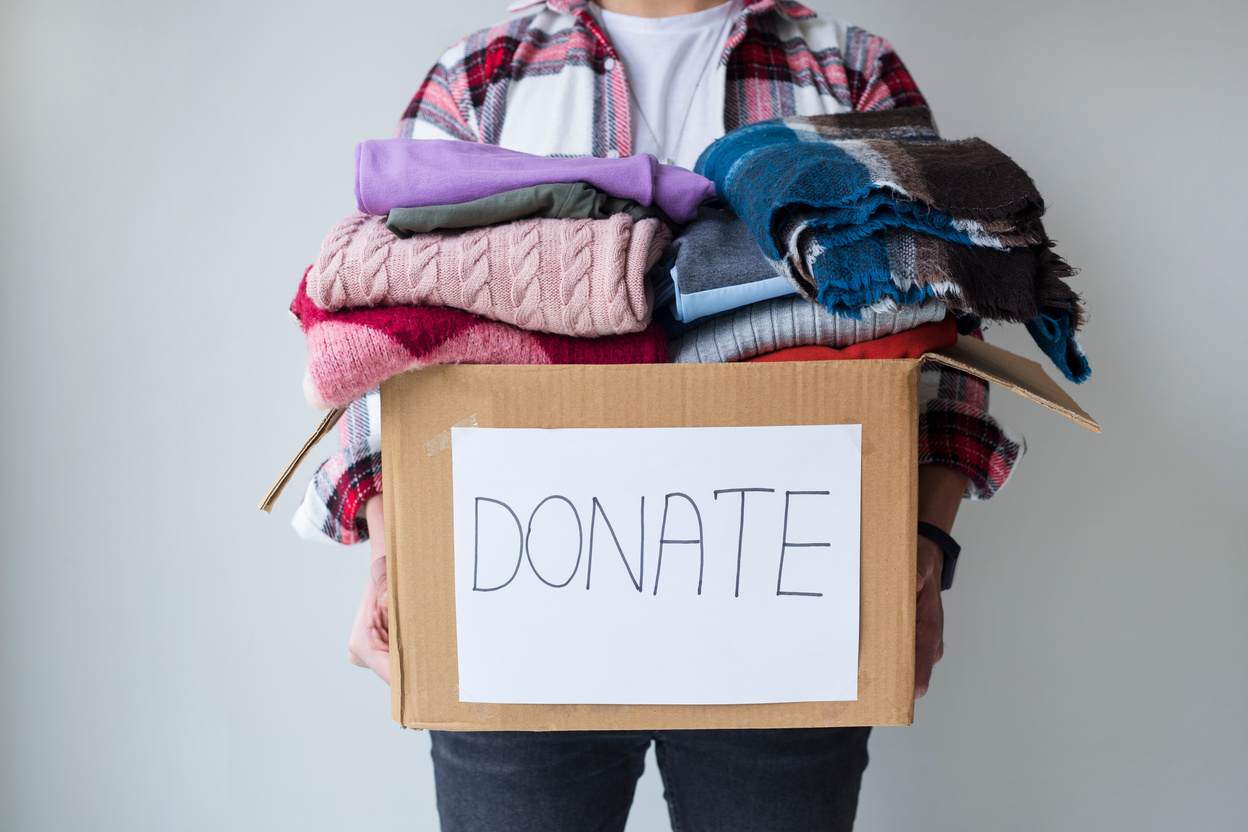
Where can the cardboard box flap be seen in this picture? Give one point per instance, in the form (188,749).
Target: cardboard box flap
(326,425)
(1013,372)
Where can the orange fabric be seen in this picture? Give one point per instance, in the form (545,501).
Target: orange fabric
(909,344)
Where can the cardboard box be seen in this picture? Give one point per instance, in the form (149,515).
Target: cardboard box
(419,409)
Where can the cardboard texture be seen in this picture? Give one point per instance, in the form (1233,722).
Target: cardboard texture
(1013,372)
(970,355)
(417,408)
(326,425)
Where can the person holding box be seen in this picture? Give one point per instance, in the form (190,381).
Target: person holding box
(666,77)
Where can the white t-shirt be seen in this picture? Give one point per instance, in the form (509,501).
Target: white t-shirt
(670,63)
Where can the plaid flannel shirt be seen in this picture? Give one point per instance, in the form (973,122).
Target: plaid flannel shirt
(549,82)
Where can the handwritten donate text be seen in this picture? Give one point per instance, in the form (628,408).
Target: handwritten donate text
(602,534)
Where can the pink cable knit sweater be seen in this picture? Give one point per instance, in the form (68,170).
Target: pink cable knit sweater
(353,351)
(569,277)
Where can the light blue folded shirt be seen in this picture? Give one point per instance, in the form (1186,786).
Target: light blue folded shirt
(690,307)
(716,267)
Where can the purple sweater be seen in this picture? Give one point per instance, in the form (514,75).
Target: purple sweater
(413,173)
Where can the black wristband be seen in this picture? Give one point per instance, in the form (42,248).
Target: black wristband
(947,545)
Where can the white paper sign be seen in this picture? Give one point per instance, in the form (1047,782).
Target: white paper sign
(651,566)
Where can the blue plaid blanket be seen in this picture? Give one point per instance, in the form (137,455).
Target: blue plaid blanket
(874,209)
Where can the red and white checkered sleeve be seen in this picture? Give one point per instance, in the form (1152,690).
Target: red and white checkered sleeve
(442,108)
(876,77)
(331,507)
(956,431)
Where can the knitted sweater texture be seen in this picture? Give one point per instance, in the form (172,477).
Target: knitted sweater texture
(569,277)
(793,322)
(353,351)
(912,343)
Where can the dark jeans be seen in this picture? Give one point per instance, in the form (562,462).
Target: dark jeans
(714,781)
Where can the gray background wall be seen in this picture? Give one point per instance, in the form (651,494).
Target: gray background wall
(174,659)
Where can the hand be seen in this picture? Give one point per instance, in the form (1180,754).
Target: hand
(929,616)
(369,643)
(940,494)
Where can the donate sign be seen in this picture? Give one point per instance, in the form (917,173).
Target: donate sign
(657,566)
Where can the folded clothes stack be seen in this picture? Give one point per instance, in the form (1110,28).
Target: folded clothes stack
(465,253)
(856,236)
(353,351)
(837,230)
(721,300)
